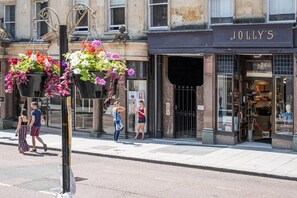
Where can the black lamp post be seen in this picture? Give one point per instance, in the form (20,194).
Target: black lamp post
(64,32)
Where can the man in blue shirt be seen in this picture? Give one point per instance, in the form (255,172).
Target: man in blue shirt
(35,125)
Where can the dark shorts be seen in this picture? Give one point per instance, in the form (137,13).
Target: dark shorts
(35,130)
(141,120)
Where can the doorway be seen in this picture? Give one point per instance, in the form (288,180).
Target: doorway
(185,112)
(185,73)
(259,109)
(256,87)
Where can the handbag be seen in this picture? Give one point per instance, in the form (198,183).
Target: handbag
(119,126)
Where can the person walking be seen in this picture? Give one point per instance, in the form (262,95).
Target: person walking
(117,119)
(21,131)
(35,125)
(141,120)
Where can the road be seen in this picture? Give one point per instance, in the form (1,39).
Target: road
(36,175)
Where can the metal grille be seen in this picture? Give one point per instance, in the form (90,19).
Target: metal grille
(283,65)
(185,111)
(225,64)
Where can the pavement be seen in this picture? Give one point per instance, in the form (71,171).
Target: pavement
(249,158)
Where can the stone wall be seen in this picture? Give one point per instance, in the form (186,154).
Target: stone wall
(168,97)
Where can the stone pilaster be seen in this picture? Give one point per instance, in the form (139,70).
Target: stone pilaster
(208,136)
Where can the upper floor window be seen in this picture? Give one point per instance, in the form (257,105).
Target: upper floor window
(41,25)
(281,10)
(158,13)
(9,19)
(81,16)
(117,14)
(221,11)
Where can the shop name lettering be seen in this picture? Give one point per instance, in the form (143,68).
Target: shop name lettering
(252,35)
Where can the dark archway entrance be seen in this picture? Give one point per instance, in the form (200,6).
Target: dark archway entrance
(186,73)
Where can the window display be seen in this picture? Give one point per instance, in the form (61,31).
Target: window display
(284,105)
(224,112)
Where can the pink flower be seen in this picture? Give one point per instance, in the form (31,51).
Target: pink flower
(100,81)
(131,72)
(107,55)
(96,43)
(115,56)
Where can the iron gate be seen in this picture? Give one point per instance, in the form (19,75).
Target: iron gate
(185,111)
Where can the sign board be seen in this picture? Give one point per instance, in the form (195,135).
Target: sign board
(254,35)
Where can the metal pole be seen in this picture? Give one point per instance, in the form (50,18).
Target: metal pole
(63,41)
(156,95)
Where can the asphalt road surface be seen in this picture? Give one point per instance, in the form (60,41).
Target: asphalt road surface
(36,175)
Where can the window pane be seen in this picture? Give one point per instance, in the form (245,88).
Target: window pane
(84,20)
(117,16)
(158,1)
(158,15)
(41,28)
(10,27)
(221,11)
(10,13)
(82,1)
(284,105)
(224,112)
(280,11)
(117,2)
(281,7)
(140,69)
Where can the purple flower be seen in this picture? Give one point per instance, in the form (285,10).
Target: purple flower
(96,43)
(100,81)
(131,72)
(115,56)
(63,63)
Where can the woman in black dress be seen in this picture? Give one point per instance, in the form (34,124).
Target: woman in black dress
(21,131)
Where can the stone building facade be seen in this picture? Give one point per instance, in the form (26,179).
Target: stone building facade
(219,71)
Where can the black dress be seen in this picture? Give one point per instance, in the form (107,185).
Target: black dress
(23,145)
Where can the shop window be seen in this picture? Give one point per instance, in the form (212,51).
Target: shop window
(41,25)
(117,14)
(158,13)
(280,10)
(9,19)
(137,91)
(225,102)
(140,68)
(284,105)
(221,11)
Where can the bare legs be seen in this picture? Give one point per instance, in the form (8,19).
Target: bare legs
(140,127)
(34,141)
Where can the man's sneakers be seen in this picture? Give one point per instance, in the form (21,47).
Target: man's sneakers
(45,147)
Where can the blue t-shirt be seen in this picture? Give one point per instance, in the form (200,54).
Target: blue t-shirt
(37,114)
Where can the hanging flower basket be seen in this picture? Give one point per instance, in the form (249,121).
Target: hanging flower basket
(36,75)
(89,90)
(94,70)
(34,87)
